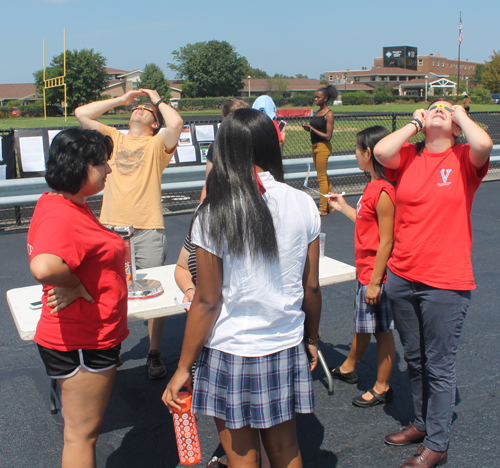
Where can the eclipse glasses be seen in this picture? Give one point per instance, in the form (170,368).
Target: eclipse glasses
(441,106)
(147,107)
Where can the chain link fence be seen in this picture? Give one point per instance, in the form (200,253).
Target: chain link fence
(297,145)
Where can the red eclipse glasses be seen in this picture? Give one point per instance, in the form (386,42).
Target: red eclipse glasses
(147,107)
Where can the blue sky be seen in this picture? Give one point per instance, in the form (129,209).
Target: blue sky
(290,37)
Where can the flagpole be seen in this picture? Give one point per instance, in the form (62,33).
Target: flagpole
(459,42)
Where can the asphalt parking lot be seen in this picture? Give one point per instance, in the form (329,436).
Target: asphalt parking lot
(138,430)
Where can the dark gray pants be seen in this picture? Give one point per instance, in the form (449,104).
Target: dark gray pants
(429,322)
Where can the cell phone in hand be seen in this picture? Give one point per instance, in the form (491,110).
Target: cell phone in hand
(282,125)
(36,305)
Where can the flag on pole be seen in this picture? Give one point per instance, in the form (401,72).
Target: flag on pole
(460,30)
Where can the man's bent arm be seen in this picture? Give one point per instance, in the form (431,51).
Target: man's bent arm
(88,113)
(173,121)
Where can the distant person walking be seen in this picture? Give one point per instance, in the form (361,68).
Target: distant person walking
(467,103)
(321,129)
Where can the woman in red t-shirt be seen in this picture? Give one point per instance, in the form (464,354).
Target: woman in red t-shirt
(81,265)
(429,278)
(373,235)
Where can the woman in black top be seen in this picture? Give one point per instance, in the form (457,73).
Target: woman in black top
(321,129)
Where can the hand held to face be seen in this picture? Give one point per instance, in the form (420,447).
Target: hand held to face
(131,97)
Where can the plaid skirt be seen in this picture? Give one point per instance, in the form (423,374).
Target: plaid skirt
(369,318)
(256,391)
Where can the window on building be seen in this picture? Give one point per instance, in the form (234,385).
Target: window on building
(442,64)
(420,62)
(393,78)
(438,63)
(433,63)
(135,86)
(330,77)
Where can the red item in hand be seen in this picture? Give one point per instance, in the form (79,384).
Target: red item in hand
(186,432)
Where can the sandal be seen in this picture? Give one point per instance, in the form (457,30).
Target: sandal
(323,213)
(216,463)
(378,399)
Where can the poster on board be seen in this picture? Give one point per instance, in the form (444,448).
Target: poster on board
(186,154)
(186,138)
(204,147)
(205,132)
(32,154)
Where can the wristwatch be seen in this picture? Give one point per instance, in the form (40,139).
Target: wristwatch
(159,102)
(313,340)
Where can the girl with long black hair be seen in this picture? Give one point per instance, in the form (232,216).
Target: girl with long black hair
(254,320)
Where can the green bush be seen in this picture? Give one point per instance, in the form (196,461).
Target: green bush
(15,103)
(216,103)
(207,103)
(356,98)
(5,112)
(31,110)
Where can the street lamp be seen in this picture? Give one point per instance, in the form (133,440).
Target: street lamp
(345,81)
(426,78)
(466,85)
(249,78)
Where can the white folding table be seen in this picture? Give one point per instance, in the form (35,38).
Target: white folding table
(330,272)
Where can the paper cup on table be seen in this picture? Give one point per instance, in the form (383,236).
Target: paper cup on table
(322,236)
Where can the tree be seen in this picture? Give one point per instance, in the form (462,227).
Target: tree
(300,75)
(477,78)
(277,87)
(214,67)
(85,78)
(491,73)
(153,78)
(254,72)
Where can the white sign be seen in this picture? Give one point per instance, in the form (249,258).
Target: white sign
(32,155)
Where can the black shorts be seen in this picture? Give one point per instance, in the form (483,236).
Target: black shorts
(64,364)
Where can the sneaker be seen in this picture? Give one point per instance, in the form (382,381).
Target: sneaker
(155,365)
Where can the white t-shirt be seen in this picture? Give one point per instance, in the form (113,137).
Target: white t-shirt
(261,300)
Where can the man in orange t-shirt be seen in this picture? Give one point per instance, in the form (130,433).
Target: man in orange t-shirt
(132,195)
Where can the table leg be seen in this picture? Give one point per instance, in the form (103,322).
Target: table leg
(328,375)
(55,401)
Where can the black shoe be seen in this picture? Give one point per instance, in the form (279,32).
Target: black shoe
(155,365)
(350,377)
(378,399)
